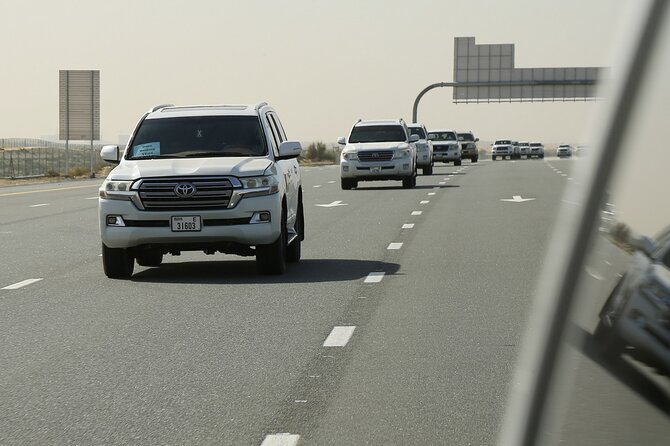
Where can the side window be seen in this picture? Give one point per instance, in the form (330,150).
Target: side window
(275,134)
(278,126)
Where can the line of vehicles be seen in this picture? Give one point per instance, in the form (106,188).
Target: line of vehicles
(378,150)
(507,148)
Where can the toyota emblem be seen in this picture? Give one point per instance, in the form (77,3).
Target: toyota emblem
(184,190)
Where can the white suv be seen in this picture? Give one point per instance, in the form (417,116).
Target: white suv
(424,148)
(219,178)
(445,146)
(378,150)
(502,148)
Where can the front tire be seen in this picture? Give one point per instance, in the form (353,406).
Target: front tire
(271,259)
(458,163)
(408,182)
(117,263)
(149,258)
(475,159)
(494,157)
(348,183)
(428,170)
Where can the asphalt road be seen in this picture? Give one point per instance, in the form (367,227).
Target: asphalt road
(422,293)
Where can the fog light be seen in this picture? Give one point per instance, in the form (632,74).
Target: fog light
(261,217)
(405,166)
(115,220)
(345,168)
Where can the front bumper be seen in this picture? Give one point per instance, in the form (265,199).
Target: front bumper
(237,225)
(424,159)
(386,170)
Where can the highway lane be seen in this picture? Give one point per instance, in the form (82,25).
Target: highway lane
(203,350)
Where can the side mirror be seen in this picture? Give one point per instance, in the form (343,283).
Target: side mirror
(289,149)
(476,139)
(342,140)
(413,138)
(110,154)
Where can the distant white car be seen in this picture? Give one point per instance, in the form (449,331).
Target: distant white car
(503,148)
(524,149)
(445,146)
(424,148)
(564,150)
(536,150)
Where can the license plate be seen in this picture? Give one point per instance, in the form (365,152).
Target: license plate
(376,169)
(188,223)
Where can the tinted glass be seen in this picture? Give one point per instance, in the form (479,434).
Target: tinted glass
(417,131)
(442,136)
(377,133)
(465,137)
(200,136)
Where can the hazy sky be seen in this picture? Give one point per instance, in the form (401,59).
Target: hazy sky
(321,63)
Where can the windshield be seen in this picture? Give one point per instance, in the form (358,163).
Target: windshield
(535,144)
(502,142)
(377,133)
(198,136)
(465,137)
(417,131)
(442,136)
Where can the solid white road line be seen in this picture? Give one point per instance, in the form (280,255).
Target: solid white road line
(394,246)
(18,285)
(283,439)
(339,336)
(38,205)
(408,226)
(374,277)
(417,212)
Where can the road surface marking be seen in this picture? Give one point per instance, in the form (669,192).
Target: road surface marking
(564,174)
(331,182)
(339,336)
(46,190)
(424,201)
(558,171)
(417,212)
(408,226)
(394,246)
(431,193)
(517,199)
(21,284)
(300,401)
(318,185)
(593,274)
(38,205)
(374,277)
(283,439)
(92,198)
(332,205)
(442,182)
(570,178)
(362,297)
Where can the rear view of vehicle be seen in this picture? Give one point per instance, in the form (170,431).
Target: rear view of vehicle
(536,150)
(469,148)
(424,148)
(446,147)
(377,151)
(502,148)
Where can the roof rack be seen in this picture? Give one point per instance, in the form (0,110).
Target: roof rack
(261,105)
(158,107)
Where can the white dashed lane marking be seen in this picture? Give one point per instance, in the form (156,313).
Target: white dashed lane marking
(21,284)
(38,205)
(408,226)
(431,193)
(339,336)
(374,277)
(394,246)
(417,212)
(318,185)
(331,182)
(424,202)
(283,439)
(92,198)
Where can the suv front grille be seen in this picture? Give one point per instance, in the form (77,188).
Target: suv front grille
(211,193)
(379,155)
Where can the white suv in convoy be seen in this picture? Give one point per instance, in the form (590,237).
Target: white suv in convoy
(536,150)
(378,150)
(445,146)
(424,148)
(524,149)
(502,148)
(564,150)
(469,146)
(218,178)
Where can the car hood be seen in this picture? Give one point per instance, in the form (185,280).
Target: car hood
(235,166)
(377,146)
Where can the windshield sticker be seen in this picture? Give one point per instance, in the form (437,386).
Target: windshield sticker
(147,149)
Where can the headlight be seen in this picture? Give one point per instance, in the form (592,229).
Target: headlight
(117,190)
(266,184)
(404,153)
(350,156)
